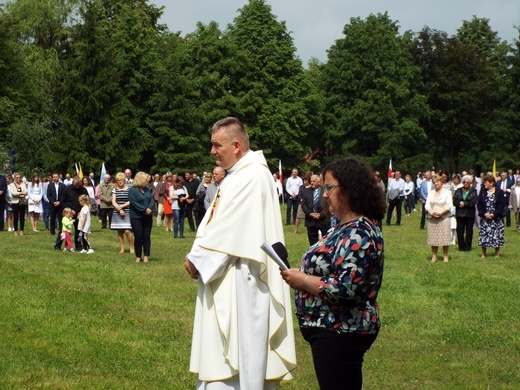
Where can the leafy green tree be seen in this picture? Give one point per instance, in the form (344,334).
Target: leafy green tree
(30,142)
(12,76)
(195,91)
(274,96)
(508,140)
(39,32)
(374,106)
(110,68)
(455,79)
(495,53)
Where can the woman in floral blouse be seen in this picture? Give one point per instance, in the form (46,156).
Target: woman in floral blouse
(340,276)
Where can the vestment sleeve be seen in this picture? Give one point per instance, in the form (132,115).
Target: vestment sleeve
(210,264)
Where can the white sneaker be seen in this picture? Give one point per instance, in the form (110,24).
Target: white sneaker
(83,251)
(90,251)
(72,250)
(65,250)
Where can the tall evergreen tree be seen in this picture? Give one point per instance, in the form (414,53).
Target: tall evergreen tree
(373,103)
(495,54)
(111,65)
(195,91)
(274,97)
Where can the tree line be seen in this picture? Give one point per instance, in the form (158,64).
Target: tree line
(95,81)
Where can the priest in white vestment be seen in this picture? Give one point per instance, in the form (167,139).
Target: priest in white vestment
(243,333)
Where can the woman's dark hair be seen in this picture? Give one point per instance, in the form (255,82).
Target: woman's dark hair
(489,178)
(358,185)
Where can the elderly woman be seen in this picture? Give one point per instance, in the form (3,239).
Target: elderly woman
(340,276)
(141,214)
(490,205)
(464,200)
(514,202)
(438,206)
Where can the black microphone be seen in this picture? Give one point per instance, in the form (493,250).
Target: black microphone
(281,251)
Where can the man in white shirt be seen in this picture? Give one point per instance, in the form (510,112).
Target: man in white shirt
(68,180)
(242,336)
(128,178)
(395,196)
(292,186)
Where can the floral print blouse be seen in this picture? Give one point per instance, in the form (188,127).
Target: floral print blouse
(349,260)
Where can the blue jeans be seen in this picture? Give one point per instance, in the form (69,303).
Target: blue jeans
(45,215)
(178,222)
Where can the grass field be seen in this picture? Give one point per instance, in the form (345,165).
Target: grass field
(101,321)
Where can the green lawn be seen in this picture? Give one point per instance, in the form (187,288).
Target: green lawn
(77,321)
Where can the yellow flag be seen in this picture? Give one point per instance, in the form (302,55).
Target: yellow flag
(80,173)
(494,168)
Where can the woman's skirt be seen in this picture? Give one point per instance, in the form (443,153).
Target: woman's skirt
(300,214)
(119,222)
(439,232)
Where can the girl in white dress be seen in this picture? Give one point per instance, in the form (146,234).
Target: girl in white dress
(35,195)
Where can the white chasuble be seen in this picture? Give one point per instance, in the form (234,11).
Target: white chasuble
(243,332)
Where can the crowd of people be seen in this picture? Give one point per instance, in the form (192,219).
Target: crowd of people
(67,205)
(236,210)
(452,206)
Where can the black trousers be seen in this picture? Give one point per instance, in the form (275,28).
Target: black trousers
(103,214)
(2,209)
(18,215)
(291,204)
(54,218)
(338,357)
(189,215)
(423,215)
(508,218)
(465,233)
(142,229)
(392,204)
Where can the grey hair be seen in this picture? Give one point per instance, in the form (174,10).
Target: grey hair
(467,177)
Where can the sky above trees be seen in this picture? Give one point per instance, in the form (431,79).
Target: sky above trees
(315,25)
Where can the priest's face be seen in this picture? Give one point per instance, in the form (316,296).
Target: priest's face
(224,148)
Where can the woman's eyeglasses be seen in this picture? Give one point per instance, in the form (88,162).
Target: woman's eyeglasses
(327,188)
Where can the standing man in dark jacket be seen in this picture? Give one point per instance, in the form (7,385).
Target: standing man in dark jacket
(56,196)
(465,200)
(315,218)
(191,185)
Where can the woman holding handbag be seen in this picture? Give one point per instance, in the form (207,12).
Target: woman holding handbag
(18,192)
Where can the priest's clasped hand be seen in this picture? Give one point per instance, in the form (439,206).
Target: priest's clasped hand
(194,273)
